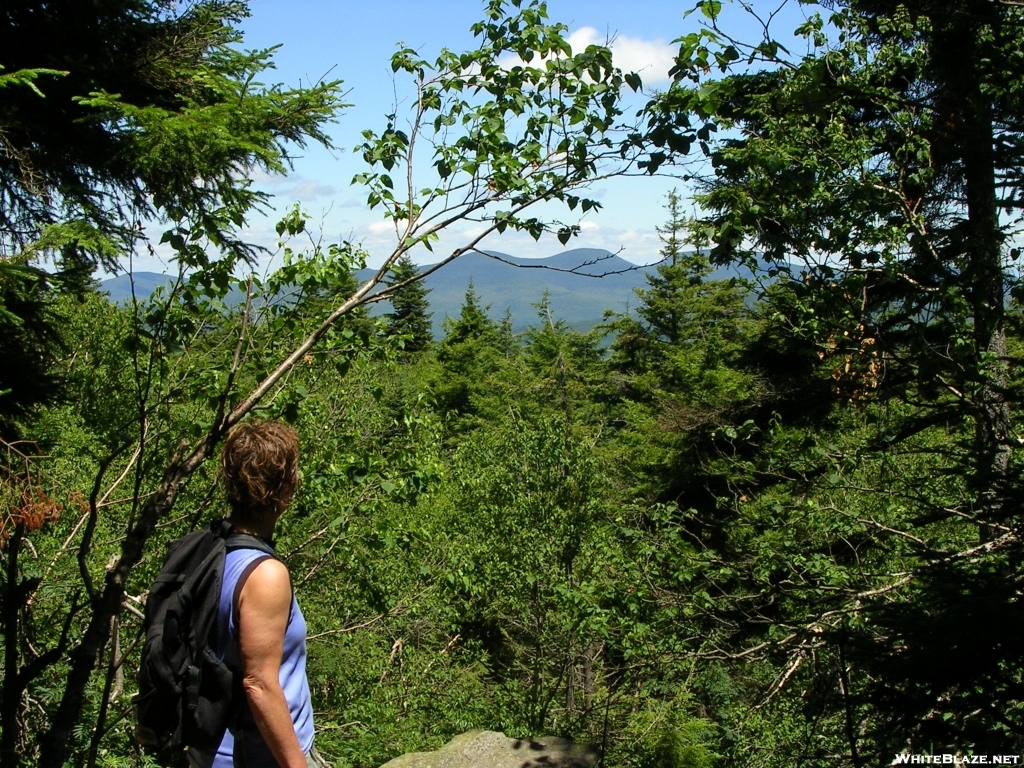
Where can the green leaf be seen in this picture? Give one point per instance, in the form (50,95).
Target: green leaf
(710,8)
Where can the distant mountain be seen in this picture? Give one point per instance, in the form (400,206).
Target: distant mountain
(120,288)
(599,281)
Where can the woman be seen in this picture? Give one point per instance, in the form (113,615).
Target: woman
(261,631)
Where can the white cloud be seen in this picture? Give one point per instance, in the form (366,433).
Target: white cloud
(473,231)
(382,227)
(651,59)
(293,186)
(638,246)
(263,179)
(583,37)
(307,189)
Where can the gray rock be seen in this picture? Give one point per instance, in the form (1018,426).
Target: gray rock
(489,749)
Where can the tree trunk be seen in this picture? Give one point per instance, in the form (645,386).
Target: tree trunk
(10,700)
(984,273)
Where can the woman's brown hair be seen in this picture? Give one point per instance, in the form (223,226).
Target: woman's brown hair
(259,463)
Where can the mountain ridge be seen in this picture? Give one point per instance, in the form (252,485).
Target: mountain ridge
(583,284)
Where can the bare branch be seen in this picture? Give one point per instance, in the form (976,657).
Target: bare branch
(571,271)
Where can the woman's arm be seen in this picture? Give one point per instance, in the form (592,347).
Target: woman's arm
(263,608)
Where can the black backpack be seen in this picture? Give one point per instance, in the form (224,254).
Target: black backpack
(187,696)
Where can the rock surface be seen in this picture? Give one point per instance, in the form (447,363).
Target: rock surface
(489,749)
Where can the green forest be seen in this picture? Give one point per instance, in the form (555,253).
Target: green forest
(771,522)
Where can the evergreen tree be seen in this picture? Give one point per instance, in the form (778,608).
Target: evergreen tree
(470,352)
(671,234)
(880,161)
(113,114)
(687,326)
(507,337)
(118,111)
(565,366)
(472,324)
(409,318)
(30,345)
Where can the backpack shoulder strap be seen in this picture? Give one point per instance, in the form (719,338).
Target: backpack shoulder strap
(248,541)
(233,539)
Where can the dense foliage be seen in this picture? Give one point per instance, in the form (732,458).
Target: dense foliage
(767,520)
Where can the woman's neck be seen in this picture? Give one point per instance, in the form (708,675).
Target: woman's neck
(264,531)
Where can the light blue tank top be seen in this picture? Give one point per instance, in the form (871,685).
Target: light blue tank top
(244,738)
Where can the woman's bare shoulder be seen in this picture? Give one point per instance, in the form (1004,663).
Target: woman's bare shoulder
(268,586)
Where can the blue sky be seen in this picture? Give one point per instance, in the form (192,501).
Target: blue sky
(354,42)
